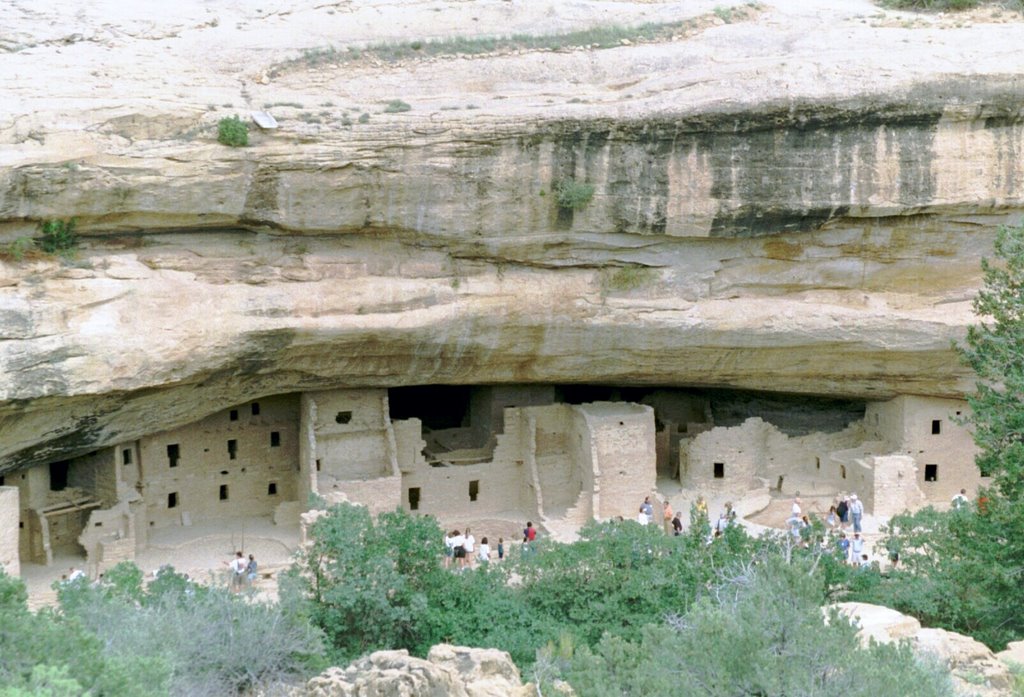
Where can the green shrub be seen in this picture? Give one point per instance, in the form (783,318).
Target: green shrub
(573,194)
(759,631)
(18,249)
(364,118)
(232,131)
(396,106)
(58,236)
(629,278)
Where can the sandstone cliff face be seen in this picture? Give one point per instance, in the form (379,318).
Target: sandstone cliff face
(786,202)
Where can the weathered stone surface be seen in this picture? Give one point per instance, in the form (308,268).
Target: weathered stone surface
(801,207)
(974,668)
(1013,654)
(486,672)
(449,671)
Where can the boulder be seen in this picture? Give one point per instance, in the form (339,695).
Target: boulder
(974,668)
(1013,654)
(486,672)
(448,671)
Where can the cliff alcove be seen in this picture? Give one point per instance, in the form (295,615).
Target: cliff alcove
(779,200)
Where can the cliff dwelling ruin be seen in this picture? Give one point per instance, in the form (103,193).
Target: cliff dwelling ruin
(773,241)
(559,455)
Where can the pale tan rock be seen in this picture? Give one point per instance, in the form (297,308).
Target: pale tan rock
(880,623)
(486,672)
(855,282)
(1013,654)
(388,674)
(974,668)
(457,671)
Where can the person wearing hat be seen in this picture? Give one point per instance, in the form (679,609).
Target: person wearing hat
(856,512)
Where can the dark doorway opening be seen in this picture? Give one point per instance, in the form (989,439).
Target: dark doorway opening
(59,475)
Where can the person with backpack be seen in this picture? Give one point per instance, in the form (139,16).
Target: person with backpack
(528,533)
(843,509)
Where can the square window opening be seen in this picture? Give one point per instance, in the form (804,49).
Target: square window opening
(233,415)
(173,454)
(343,417)
(223,492)
(126,457)
(936,427)
(275,439)
(172,499)
(474,489)
(272,489)
(59,475)
(414,498)
(232,449)
(255,408)
(719,470)
(931,473)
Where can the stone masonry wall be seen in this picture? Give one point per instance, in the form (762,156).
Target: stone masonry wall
(258,476)
(10,512)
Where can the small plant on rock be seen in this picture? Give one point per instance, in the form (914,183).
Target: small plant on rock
(573,194)
(396,106)
(19,249)
(232,131)
(58,236)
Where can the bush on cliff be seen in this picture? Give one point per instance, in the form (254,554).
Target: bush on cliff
(232,131)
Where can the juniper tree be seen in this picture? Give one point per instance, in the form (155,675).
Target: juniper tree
(995,351)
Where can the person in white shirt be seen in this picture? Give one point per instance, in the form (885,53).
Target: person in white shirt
(449,550)
(75,574)
(796,512)
(856,511)
(642,517)
(458,548)
(484,552)
(960,500)
(470,546)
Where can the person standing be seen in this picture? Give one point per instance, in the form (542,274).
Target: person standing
(667,517)
(844,547)
(856,548)
(470,545)
(833,518)
(856,511)
(458,548)
(960,500)
(648,508)
(642,516)
(484,552)
(250,570)
(449,550)
(796,511)
(237,570)
(529,532)
(677,525)
(501,548)
(843,510)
